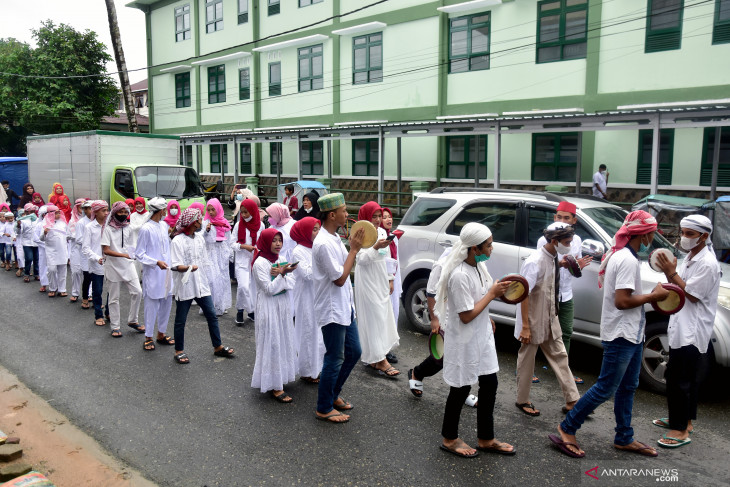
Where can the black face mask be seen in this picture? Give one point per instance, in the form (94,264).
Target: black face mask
(120,218)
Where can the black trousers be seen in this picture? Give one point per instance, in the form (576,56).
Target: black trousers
(85,285)
(684,375)
(427,368)
(485,409)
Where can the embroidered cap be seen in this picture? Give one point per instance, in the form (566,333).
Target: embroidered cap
(331,202)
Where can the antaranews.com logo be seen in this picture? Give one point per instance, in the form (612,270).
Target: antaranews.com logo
(625,474)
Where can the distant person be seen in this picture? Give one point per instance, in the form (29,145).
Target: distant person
(310,207)
(27,196)
(61,200)
(600,182)
(10,195)
(56,249)
(290,201)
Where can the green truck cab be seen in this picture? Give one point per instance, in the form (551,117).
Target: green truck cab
(149,181)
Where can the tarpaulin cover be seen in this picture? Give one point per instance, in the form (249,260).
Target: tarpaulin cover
(669,211)
(15,170)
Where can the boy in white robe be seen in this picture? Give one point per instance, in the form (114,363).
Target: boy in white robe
(56,247)
(78,236)
(25,227)
(91,249)
(42,275)
(74,250)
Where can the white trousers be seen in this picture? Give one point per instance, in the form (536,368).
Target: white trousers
(156,311)
(42,269)
(135,291)
(56,278)
(76,279)
(20,255)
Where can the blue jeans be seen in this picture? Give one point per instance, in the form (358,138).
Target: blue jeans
(97,287)
(620,377)
(181,315)
(6,251)
(31,257)
(342,345)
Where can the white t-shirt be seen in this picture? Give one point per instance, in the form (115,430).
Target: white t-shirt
(118,269)
(693,324)
(333,304)
(623,272)
(187,251)
(600,180)
(565,290)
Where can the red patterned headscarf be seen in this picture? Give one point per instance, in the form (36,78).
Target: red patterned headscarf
(188,217)
(75,215)
(636,223)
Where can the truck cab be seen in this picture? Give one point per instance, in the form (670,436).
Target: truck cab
(149,181)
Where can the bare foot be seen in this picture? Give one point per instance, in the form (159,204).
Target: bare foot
(637,446)
(459,446)
(334,416)
(570,439)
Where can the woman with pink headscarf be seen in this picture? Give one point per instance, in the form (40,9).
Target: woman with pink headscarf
(216,233)
(173,213)
(54,237)
(281,220)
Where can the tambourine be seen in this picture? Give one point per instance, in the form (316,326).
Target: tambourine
(436,345)
(371,233)
(672,303)
(517,291)
(573,266)
(654,258)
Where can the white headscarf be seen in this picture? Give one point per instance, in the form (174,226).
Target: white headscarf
(154,205)
(471,234)
(698,223)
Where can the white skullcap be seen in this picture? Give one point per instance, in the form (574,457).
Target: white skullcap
(156,204)
(698,223)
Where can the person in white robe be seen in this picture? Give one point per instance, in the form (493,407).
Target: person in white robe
(281,220)
(83,260)
(54,237)
(308,338)
(25,229)
(392,263)
(91,250)
(217,234)
(74,250)
(18,244)
(464,292)
(373,285)
(42,265)
(276,356)
(243,243)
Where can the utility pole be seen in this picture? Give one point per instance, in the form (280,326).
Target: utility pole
(121,66)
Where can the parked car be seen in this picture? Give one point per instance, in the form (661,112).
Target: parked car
(516,219)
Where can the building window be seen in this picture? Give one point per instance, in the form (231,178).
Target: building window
(213,15)
(182,23)
(721,28)
(242,11)
(244,159)
(365,157)
(274,79)
(367,58)
(310,68)
(217,84)
(663,25)
(244,84)
(275,157)
(561,30)
(666,155)
(182,90)
(461,155)
(312,157)
(218,153)
(274,7)
(188,155)
(469,43)
(554,156)
(708,151)
(307,3)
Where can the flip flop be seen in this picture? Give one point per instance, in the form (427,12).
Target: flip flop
(524,405)
(496,449)
(329,417)
(136,327)
(282,398)
(344,407)
(658,422)
(454,452)
(578,380)
(673,445)
(645,449)
(414,385)
(563,446)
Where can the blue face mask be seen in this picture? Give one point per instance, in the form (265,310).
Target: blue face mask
(481,258)
(239,197)
(644,248)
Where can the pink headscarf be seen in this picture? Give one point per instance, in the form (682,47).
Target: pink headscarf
(50,219)
(198,206)
(636,223)
(170,219)
(278,214)
(219,221)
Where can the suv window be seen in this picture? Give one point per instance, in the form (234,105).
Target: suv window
(499,217)
(540,218)
(425,211)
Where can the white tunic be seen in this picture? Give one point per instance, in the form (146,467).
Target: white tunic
(153,244)
(56,247)
(187,251)
(119,269)
(91,247)
(26,233)
(309,340)
(375,320)
(622,272)
(78,240)
(275,353)
(245,294)
(219,254)
(333,303)
(136,220)
(289,244)
(469,349)
(393,266)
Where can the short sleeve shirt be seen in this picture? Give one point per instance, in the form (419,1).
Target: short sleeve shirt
(333,303)
(600,180)
(622,272)
(117,269)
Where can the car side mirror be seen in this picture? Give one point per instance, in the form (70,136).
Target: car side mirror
(594,248)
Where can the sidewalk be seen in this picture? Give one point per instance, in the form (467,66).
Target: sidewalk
(53,446)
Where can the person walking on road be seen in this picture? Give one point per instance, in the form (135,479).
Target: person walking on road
(91,248)
(243,240)
(600,182)
(56,246)
(78,236)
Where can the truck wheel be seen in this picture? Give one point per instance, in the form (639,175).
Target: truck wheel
(655,357)
(416,306)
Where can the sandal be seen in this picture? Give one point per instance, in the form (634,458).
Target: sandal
(283,398)
(19,273)
(63,295)
(99,322)
(149,344)
(416,386)
(458,454)
(74,299)
(166,340)
(563,446)
(497,447)
(330,417)
(679,442)
(224,352)
(136,326)
(182,358)
(646,450)
(52,294)
(345,406)
(26,279)
(117,333)
(385,373)
(43,288)
(528,405)
(310,380)
(85,304)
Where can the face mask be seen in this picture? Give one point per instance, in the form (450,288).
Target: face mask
(239,197)
(120,218)
(644,247)
(248,219)
(689,243)
(562,249)
(173,211)
(603,173)
(481,258)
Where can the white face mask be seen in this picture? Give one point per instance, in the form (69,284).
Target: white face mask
(248,219)
(689,243)
(562,249)
(173,211)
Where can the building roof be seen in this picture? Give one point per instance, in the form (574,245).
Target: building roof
(139,86)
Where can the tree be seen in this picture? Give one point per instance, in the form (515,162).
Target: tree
(121,66)
(60,86)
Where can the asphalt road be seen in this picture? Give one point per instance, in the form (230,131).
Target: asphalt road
(203,425)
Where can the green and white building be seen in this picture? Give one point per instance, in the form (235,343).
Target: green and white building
(532,93)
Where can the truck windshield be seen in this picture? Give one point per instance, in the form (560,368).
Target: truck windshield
(168,182)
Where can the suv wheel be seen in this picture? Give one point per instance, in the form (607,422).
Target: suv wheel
(416,306)
(655,357)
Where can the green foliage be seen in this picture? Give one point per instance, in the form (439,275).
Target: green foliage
(54,105)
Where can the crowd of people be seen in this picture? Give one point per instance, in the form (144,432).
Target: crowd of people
(293,276)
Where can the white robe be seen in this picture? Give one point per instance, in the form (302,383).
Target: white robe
(393,266)
(42,265)
(78,240)
(286,252)
(219,254)
(153,244)
(55,244)
(245,294)
(275,353)
(469,349)
(375,320)
(309,342)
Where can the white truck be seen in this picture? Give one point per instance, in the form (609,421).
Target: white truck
(112,166)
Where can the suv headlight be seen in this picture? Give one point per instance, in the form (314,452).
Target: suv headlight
(723,299)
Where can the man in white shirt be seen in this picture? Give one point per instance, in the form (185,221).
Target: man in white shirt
(79,239)
(600,182)
(622,336)
(331,265)
(91,250)
(691,328)
(188,254)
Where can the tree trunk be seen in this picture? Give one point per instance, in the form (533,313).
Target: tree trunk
(121,66)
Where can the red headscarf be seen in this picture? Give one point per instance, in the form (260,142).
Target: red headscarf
(636,223)
(367,210)
(263,246)
(130,204)
(219,221)
(252,225)
(139,199)
(301,231)
(393,246)
(62,201)
(38,196)
(170,219)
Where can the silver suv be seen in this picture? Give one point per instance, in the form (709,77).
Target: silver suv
(516,219)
